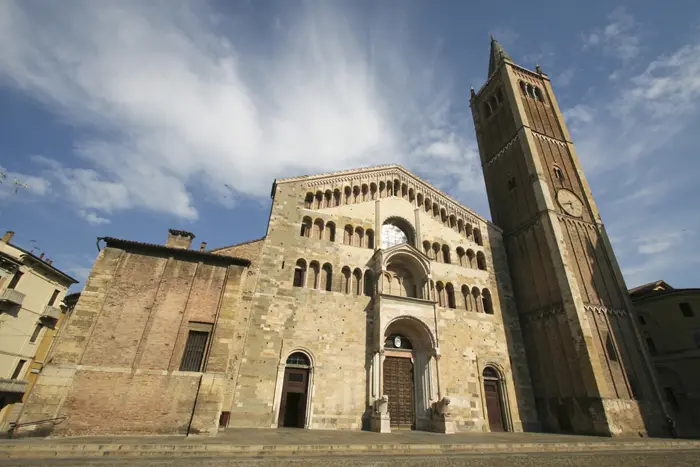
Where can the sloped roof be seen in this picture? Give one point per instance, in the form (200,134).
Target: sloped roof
(646,289)
(497,55)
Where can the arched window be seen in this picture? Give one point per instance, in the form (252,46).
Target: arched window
(477,236)
(395,231)
(318,229)
(382,189)
(348,193)
(370,239)
(309,200)
(330,231)
(487,110)
(373,191)
(404,191)
(300,273)
(437,254)
(358,239)
(453,221)
(347,235)
(313,266)
(298,359)
(461,255)
(411,195)
(523,88)
(494,103)
(446,254)
(467,230)
(466,297)
(428,205)
(490,373)
(476,298)
(530,91)
(369,283)
(328,197)
(481,261)
(397,187)
(558,173)
(336,197)
(419,199)
(319,200)
(470,258)
(327,277)
(460,226)
(451,302)
(538,94)
(440,291)
(443,216)
(389,189)
(427,249)
(487,306)
(357,282)
(305,227)
(365,193)
(345,280)
(356,194)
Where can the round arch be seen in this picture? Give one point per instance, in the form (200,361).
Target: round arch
(294,389)
(402,224)
(414,329)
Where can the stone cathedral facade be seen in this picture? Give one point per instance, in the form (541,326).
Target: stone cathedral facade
(375,301)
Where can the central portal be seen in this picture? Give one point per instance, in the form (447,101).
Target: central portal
(398,385)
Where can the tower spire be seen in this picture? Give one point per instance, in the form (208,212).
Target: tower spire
(498,54)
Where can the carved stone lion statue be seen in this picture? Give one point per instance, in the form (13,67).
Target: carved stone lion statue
(381,405)
(441,407)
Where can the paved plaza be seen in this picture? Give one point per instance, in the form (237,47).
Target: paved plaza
(317,447)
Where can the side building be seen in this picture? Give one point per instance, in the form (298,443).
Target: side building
(31,312)
(670,322)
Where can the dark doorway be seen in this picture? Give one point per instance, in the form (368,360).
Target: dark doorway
(494,400)
(398,385)
(294,392)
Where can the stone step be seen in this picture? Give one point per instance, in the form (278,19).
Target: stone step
(49,449)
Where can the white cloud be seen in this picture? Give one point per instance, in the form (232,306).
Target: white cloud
(176,105)
(93,218)
(619,38)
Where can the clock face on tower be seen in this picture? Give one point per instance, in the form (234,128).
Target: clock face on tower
(570,203)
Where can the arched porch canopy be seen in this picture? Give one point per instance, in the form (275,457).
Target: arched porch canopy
(414,330)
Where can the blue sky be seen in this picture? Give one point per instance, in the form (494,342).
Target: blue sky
(129,118)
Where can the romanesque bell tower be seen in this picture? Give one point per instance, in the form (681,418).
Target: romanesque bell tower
(589,369)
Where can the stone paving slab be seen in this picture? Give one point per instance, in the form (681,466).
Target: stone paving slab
(280,443)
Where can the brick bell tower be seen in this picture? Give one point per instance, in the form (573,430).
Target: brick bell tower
(590,372)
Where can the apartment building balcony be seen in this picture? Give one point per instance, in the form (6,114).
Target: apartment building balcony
(11,296)
(17,386)
(51,312)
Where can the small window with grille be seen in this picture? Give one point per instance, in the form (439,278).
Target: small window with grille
(558,173)
(196,347)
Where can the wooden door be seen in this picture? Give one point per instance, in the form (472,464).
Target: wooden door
(294,397)
(493,405)
(398,385)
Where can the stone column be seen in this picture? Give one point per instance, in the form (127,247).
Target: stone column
(377,225)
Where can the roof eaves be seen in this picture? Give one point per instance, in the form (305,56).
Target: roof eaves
(182,252)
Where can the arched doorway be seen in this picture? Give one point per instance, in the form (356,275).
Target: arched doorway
(295,389)
(398,381)
(407,369)
(493,395)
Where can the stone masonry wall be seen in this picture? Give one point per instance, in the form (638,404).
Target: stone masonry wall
(116,367)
